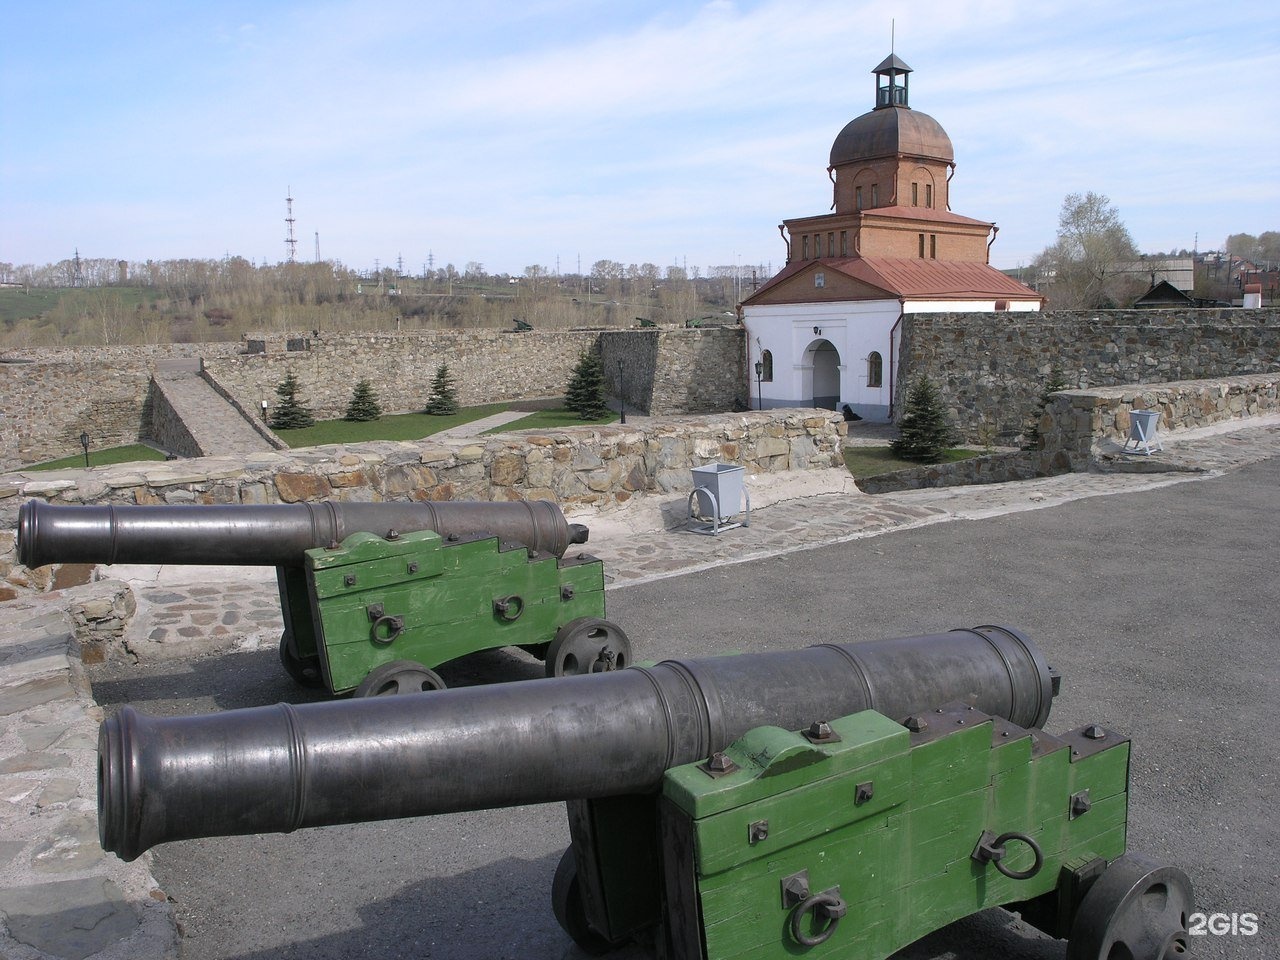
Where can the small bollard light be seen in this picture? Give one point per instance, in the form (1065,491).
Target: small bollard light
(84,442)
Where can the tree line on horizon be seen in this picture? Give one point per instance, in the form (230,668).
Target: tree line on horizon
(83,302)
(87,301)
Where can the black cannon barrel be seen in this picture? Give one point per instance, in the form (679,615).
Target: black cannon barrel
(266,534)
(276,769)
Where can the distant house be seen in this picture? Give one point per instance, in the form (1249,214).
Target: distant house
(825,330)
(1164,294)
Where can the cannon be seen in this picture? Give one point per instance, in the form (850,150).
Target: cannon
(373,595)
(920,788)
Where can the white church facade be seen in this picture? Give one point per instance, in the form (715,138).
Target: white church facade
(825,330)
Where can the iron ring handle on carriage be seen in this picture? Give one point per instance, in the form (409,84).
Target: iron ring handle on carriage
(394,625)
(991,850)
(509,608)
(825,906)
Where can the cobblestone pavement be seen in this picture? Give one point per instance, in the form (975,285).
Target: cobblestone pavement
(62,897)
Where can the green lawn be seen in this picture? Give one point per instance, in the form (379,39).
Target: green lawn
(553,419)
(101,458)
(869,461)
(399,426)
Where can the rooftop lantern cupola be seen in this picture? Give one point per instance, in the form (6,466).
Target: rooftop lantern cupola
(891,83)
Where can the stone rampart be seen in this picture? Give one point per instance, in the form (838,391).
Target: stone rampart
(1082,427)
(666,372)
(1087,429)
(48,397)
(993,367)
(577,467)
(486,366)
(166,426)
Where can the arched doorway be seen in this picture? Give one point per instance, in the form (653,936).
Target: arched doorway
(822,374)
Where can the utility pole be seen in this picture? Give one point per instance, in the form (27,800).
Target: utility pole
(290,241)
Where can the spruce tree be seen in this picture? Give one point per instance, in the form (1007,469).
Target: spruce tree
(584,394)
(443,401)
(364,403)
(923,432)
(290,413)
(1057,381)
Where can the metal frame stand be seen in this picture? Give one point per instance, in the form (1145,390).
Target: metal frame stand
(717,522)
(1143,432)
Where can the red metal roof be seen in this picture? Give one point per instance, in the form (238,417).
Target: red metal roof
(936,279)
(913,278)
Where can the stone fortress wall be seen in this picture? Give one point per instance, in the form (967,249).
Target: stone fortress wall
(49,396)
(993,367)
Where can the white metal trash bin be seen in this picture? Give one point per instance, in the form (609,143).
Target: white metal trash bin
(1142,431)
(719,493)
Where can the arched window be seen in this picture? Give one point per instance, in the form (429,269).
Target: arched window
(766,359)
(875,366)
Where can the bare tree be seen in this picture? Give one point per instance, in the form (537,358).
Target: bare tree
(1085,268)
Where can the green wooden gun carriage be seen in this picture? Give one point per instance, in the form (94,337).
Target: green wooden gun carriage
(921,788)
(373,595)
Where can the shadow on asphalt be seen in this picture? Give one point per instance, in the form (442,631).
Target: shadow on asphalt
(256,678)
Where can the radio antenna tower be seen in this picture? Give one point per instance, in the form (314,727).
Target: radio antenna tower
(290,241)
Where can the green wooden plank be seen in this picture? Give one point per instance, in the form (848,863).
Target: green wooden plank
(811,811)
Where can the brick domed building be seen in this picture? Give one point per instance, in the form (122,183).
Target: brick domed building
(825,328)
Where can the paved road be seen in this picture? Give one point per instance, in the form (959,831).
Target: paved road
(1159,607)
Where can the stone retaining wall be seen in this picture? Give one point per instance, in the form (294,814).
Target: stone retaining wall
(1086,430)
(576,467)
(992,367)
(669,372)
(988,468)
(486,366)
(165,427)
(1081,426)
(49,396)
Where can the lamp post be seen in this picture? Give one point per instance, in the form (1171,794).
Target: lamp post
(622,395)
(264,409)
(84,442)
(759,377)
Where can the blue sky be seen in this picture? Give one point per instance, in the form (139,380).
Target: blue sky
(675,133)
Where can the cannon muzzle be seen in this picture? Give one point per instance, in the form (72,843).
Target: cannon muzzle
(276,769)
(267,534)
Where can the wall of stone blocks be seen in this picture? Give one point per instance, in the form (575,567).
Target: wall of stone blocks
(1080,427)
(666,370)
(671,372)
(578,467)
(49,396)
(993,367)
(165,427)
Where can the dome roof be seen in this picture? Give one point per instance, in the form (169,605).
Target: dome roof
(889,131)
